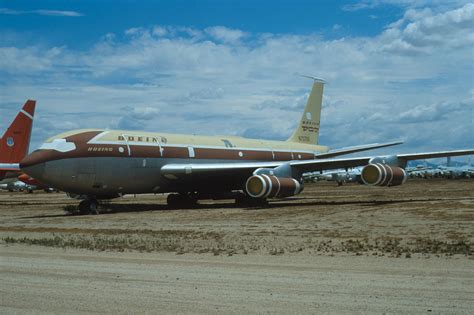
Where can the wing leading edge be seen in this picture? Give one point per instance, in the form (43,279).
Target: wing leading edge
(355,149)
(179,170)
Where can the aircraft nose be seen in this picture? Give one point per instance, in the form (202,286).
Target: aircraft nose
(36,170)
(34,163)
(32,159)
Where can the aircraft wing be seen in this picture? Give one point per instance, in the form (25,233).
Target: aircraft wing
(432,155)
(178,170)
(355,149)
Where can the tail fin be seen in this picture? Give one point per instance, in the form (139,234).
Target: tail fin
(16,140)
(308,128)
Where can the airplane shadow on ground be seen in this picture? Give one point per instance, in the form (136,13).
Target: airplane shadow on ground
(106,209)
(113,208)
(364,203)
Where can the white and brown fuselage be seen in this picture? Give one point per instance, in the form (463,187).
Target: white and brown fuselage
(106,163)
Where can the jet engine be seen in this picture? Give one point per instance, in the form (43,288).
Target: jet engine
(378,174)
(270,186)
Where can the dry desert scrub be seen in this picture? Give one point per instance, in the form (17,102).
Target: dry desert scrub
(191,242)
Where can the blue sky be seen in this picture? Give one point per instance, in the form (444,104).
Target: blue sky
(396,69)
(97,18)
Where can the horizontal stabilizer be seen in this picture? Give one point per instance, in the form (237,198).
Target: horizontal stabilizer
(9,167)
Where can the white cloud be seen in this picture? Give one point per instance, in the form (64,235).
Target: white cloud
(159,31)
(226,81)
(361,5)
(57,13)
(371,4)
(41,12)
(135,117)
(423,31)
(224,34)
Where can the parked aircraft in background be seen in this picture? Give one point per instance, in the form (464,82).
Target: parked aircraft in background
(101,164)
(447,171)
(21,186)
(420,171)
(15,142)
(338,176)
(455,171)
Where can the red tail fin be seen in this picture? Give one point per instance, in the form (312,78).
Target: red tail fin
(16,140)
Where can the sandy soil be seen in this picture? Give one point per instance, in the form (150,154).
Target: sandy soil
(333,249)
(40,279)
(430,217)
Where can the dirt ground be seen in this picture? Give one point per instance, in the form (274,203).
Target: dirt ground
(332,249)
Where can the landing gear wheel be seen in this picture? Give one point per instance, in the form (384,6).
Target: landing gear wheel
(88,206)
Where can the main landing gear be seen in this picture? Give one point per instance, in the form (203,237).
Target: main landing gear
(89,206)
(187,200)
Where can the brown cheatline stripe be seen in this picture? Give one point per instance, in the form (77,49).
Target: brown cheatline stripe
(83,149)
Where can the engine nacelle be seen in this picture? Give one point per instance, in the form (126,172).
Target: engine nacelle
(269,186)
(383,175)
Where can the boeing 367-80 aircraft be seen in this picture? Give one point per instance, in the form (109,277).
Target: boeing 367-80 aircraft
(101,164)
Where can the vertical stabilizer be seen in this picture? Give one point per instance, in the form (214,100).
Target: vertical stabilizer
(308,128)
(16,139)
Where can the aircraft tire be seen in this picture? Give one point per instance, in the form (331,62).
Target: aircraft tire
(88,206)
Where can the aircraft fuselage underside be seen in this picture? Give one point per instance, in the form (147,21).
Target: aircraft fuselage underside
(110,176)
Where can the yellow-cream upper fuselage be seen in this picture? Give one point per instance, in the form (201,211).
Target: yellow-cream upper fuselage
(133,139)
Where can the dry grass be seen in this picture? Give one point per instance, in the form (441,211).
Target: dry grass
(422,217)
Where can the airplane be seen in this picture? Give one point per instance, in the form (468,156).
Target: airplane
(100,164)
(455,172)
(13,186)
(352,176)
(15,142)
